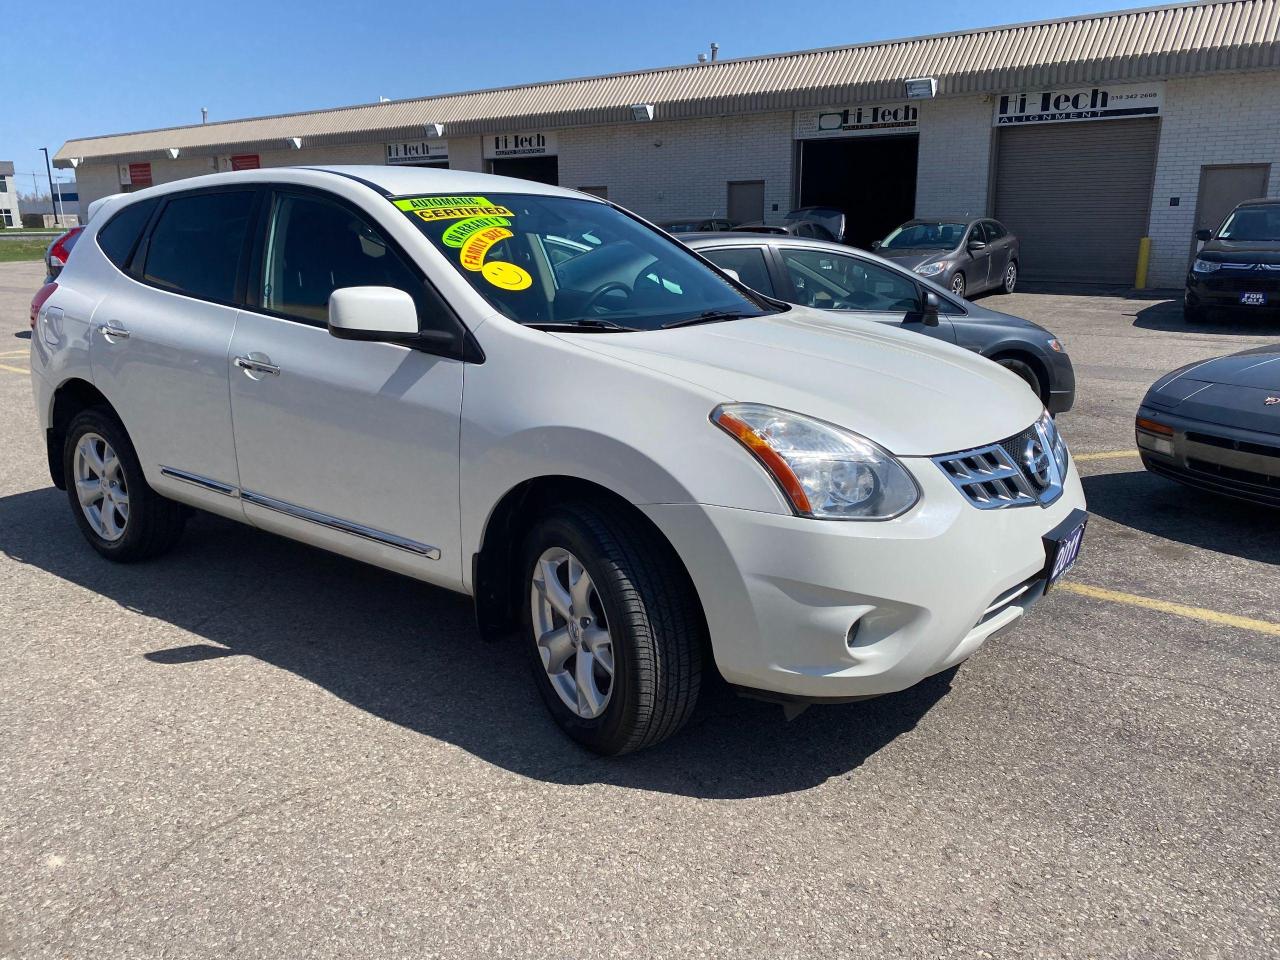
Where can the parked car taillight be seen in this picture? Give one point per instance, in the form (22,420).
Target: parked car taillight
(61,248)
(43,294)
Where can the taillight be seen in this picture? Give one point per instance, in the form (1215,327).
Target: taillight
(43,294)
(61,248)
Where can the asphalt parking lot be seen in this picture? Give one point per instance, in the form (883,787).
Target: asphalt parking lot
(252,748)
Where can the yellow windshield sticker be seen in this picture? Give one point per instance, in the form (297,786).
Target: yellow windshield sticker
(458,213)
(478,245)
(409,204)
(456,235)
(505,275)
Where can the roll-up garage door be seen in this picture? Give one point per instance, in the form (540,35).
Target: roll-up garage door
(1078,195)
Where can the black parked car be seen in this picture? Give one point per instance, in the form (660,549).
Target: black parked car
(965,255)
(1215,425)
(1238,268)
(696,224)
(835,277)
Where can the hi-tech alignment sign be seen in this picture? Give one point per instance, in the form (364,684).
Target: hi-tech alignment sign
(1122,102)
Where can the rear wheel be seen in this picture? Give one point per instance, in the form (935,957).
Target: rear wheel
(614,629)
(118,513)
(957,285)
(1010,277)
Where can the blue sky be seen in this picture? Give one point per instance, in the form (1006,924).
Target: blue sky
(83,68)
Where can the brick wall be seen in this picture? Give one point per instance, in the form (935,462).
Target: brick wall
(955,153)
(682,168)
(1213,120)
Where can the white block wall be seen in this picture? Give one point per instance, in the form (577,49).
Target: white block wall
(955,156)
(682,168)
(1208,121)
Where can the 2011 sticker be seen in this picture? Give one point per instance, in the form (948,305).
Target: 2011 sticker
(456,235)
(506,276)
(478,244)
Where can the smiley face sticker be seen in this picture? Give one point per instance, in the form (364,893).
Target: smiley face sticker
(506,276)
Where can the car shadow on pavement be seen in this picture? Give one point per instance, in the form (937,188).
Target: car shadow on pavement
(410,654)
(1143,501)
(1167,316)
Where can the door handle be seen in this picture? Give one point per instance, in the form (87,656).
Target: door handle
(257,363)
(113,330)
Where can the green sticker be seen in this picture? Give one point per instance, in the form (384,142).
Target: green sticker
(456,235)
(409,204)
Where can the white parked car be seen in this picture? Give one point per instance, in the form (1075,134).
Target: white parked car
(527,395)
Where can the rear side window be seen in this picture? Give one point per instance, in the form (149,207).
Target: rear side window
(196,245)
(995,231)
(747,262)
(120,235)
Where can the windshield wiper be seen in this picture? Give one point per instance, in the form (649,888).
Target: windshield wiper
(583,325)
(708,316)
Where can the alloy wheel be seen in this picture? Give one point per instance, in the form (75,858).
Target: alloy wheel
(1010,277)
(101,487)
(572,633)
(957,284)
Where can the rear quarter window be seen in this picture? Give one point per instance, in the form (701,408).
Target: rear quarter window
(196,245)
(119,236)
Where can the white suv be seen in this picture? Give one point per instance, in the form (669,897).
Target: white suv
(527,395)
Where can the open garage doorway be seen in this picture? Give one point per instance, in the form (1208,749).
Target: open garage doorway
(538,169)
(872,179)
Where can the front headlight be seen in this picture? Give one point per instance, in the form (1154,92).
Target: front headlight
(931,269)
(1205,266)
(825,471)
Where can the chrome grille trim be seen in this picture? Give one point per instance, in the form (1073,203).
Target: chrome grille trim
(1025,469)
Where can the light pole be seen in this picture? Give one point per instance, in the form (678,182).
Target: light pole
(55,200)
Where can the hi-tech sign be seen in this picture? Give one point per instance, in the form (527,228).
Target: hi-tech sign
(418,151)
(519,145)
(1070,106)
(866,118)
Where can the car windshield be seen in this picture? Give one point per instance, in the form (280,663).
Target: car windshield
(1253,224)
(938,235)
(562,261)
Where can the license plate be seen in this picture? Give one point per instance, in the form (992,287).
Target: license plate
(1062,547)
(1253,299)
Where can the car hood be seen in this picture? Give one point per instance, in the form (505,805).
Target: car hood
(1231,390)
(1233,251)
(913,395)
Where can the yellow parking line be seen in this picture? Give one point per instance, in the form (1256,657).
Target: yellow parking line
(14,369)
(1106,455)
(1177,609)
(14,353)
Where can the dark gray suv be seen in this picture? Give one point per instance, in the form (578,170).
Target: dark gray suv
(831,276)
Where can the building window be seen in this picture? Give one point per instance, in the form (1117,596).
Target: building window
(4,184)
(7,218)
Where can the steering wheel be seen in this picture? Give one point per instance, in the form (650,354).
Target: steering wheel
(599,293)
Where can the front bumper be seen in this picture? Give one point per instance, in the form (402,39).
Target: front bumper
(1230,461)
(1062,383)
(782,593)
(1222,289)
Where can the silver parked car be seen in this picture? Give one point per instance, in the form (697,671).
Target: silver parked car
(965,255)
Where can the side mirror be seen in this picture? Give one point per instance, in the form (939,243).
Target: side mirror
(976,245)
(929,315)
(382,314)
(1204,235)
(875,244)
(731,274)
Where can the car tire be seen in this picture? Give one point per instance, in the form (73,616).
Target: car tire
(1026,372)
(957,284)
(1010,277)
(637,595)
(118,513)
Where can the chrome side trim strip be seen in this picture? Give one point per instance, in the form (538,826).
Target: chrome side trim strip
(195,479)
(343,526)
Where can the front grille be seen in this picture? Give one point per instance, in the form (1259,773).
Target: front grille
(1243,282)
(1225,472)
(999,474)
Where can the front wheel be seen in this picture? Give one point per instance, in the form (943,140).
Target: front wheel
(614,628)
(957,285)
(1026,372)
(118,513)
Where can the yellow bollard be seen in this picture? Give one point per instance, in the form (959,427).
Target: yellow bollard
(1144,259)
